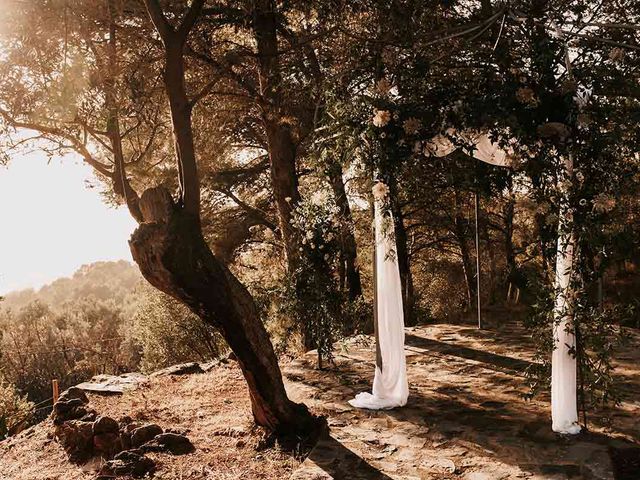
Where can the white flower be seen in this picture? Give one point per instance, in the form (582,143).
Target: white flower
(583,202)
(380,191)
(319,197)
(381,118)
(288,199)
(580,177)
(383,135)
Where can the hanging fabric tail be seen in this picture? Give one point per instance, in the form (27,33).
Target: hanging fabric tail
(390,386)
(564,405)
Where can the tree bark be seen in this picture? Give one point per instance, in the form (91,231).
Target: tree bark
(461,237)
(508,215)
(280,138)
(349,255)
(174,257)
(404,262)
(170,249)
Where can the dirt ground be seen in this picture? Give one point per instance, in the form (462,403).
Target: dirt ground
(212,409)
(466,419)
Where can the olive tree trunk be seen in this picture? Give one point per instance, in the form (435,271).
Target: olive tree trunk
(173,256)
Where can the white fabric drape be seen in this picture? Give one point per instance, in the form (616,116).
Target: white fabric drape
(390,386)
(483,148)
(564,409)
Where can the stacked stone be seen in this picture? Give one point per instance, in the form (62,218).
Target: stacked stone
(84,435)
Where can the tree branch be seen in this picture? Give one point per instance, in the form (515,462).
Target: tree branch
(164,29)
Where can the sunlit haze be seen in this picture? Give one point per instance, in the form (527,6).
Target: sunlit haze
(51,223)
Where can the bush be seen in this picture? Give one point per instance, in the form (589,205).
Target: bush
(15,410)
(168,333)
(70,344)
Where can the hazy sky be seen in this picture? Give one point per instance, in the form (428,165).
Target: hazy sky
(51,223)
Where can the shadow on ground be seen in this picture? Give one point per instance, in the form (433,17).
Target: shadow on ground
(466,417)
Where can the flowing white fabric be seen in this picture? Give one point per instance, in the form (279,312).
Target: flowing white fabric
(390,386)
(564,407)
(483,148)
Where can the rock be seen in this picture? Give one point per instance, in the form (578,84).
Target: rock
(171,442)
(124,421)
(107,444)
(74,393)
(112,384)
(90,416)
(68,409)
(479,476)
(181,369)
(438,464)
(130,427)
(129,462)
(125,440)
(105,425)
(76,437)
(143,434)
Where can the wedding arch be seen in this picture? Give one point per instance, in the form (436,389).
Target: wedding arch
(390,387)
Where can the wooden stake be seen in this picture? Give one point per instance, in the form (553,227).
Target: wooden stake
(509,293)
(56,390)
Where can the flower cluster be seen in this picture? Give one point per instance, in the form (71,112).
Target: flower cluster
(381,118)
(380,191)
(318,223)
(603,203)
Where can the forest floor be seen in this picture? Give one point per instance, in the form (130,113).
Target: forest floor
(466,419)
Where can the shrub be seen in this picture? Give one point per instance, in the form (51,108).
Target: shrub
(15,409)
(168,333)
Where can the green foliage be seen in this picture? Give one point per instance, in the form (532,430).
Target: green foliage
(106,281)
(168,333)
(312,297)
(70,344)
(598,335)
(15,409)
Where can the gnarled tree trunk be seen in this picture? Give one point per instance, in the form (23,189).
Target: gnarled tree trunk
(174,257)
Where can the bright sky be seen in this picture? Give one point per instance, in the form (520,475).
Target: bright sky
(51,223)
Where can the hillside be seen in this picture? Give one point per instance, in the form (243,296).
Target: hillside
(101,280)
(465,420)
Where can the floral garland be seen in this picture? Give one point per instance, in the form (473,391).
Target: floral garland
(381,197)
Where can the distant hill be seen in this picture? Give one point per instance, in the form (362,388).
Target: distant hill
(101,280)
